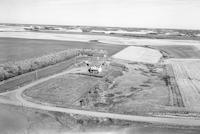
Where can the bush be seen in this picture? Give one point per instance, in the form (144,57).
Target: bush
(12,69)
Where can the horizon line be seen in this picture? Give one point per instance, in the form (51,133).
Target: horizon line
(103,26)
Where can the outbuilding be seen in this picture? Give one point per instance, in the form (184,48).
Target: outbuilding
(95,69)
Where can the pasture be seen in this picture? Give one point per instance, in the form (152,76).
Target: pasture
(63,90)
(14,49)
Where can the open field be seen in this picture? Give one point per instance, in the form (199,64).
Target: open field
(176,34)
(134,88)
(13,49)
(64,90)
(139,54)
(101,38)
(187,77)
(180,51)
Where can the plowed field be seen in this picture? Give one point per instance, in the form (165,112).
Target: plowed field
(187,76)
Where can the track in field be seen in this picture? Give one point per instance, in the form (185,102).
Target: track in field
(175,95)
(187,76)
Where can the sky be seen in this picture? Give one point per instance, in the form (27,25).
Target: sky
(182,14)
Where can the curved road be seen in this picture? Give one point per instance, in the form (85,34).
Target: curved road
(15,98)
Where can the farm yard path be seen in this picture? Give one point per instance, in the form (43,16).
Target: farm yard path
(15,98)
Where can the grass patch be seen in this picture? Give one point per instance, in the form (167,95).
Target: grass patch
(63,90)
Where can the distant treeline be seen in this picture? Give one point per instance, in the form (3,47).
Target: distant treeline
(12,69)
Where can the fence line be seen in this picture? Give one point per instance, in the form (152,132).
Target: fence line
(26,78)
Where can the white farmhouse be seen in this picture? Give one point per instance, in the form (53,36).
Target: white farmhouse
(95,69)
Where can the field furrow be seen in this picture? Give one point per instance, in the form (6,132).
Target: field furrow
(175,95)
(187,76)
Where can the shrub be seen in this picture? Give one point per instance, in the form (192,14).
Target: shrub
(12,69)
